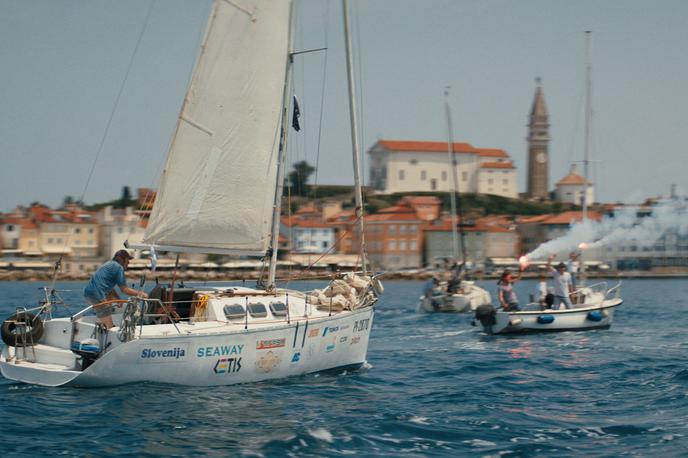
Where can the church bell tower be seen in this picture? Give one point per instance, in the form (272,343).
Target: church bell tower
(538,146)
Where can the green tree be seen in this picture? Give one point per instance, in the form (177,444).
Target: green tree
(298,178)
(125,199)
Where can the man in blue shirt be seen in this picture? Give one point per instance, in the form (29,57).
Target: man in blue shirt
(101,286)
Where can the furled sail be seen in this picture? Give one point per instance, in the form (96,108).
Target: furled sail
(218,186)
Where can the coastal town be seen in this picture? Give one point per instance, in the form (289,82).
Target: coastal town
(409,226)
(408,222)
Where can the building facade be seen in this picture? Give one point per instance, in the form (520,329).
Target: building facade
(422,166)
(573,187)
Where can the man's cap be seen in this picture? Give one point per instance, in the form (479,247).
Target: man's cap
(561,265)
(123,254)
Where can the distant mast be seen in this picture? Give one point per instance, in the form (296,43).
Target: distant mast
(354,133)
(586,143)
(452,164)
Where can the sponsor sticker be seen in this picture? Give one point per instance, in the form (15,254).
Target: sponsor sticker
(343,339)
(227,365)
(330,330)
(219,350)
(271,343)
(268,362)
(315,332)
(296,357)
(355,340)
(163,353)
(330,348)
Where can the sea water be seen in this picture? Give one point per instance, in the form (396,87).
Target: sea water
(434,386)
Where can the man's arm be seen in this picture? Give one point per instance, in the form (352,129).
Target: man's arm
(549,263)
(133,292)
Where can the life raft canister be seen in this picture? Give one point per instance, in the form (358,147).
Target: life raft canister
(545,319)
(595,315)
(22,328)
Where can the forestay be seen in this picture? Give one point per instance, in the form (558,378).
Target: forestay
(217,189)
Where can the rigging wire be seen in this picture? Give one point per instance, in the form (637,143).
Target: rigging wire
(108,125)
(361,133)
(119,96)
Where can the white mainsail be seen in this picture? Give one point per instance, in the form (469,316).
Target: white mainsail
(218,187)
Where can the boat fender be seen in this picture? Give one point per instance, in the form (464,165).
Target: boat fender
(377,287)
(595,315)
(515,322)
(545,319)
(86,346)
(22,323)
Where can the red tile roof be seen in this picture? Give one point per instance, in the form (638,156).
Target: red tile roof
(426,147)
(567,217)
(533,219)
(572,178)
(492,152)
(497,165)
(306,223)
(422,200)
(397,209)
(480,225)
(393,217)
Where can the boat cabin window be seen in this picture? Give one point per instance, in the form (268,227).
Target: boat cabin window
(234,311)
(278,308)
(257,310)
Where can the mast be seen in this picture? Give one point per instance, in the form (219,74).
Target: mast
(586,143)
(452,163)
(354,132)
(281,158)
(455,196)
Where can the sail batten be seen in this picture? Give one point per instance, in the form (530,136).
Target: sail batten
(218,185)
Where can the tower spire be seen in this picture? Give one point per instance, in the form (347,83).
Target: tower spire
(538,145)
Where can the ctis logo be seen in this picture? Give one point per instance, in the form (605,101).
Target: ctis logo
(227,365)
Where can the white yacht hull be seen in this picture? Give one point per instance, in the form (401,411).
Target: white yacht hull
(199,354)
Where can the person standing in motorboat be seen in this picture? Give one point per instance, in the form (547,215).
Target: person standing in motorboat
(506,294)
(563,285)
(542,296)
(101,286)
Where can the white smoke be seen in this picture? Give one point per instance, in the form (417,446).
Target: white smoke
(665,217)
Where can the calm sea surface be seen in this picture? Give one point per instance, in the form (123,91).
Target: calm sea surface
(434,386)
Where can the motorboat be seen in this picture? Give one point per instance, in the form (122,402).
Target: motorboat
(594,308)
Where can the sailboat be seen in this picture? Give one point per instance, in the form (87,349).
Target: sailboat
(459,294)
(594,305)
(220,193)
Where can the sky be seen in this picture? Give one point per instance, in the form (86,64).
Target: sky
(91,89)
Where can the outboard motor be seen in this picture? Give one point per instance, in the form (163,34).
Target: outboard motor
(486,314)
(88,350)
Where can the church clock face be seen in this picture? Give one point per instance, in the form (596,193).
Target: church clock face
(541,158)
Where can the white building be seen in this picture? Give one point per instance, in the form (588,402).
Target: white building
(572,187)
(308,235)
(117,226)
(413,166)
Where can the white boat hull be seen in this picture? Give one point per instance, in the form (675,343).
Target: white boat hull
(576,319)
(202,353)
(472,297)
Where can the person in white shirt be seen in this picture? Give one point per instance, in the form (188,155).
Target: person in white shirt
(540,294)
(572,266)
(563,286)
